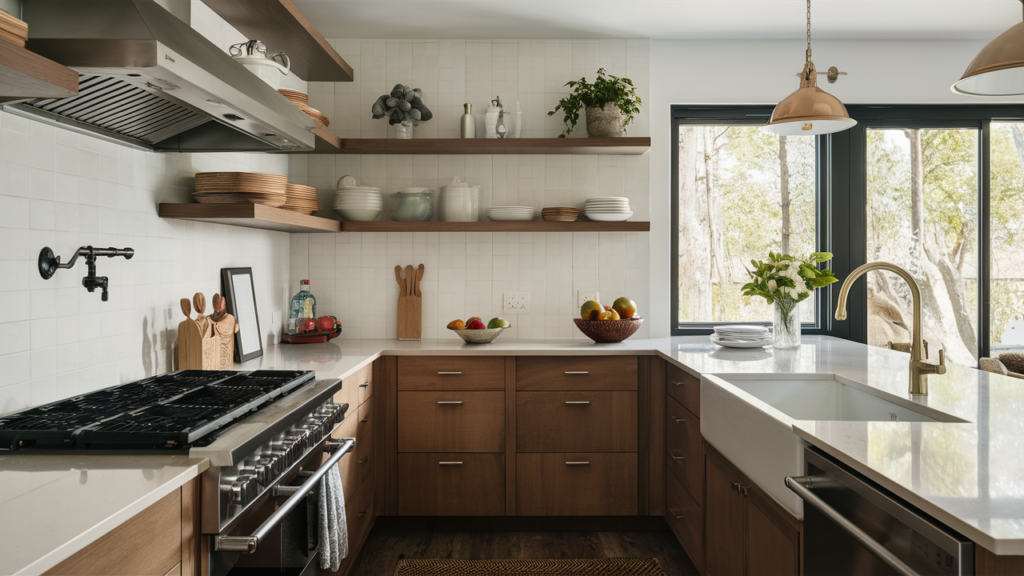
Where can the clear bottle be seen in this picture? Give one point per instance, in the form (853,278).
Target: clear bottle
(303,307)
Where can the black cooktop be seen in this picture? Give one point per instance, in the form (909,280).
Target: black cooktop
(172,411)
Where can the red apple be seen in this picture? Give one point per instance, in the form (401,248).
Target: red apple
(326,323)
(475,325)
(307,325)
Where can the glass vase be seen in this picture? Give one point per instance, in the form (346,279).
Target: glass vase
(786,324)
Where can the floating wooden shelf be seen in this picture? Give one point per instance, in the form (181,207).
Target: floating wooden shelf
(625,145)
(250,216)
(282,27)
(326,141)
(495,226)
(25,74)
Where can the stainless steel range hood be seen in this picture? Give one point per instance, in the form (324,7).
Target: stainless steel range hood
(148,79)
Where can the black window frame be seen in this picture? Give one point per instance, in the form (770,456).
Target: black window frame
(842,199)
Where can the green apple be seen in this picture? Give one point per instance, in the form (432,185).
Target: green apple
(625,307)
(497,323)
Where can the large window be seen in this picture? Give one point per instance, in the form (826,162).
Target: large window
(938,190)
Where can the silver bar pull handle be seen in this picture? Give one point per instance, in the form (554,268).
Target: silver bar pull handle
(364,385)
(676,458)
(796,484)
(678,420)
(676,515)
(449,401)
(577,373)
(450,463)
(248,544)
(678,383)
(577,401)
(577,463)
(449,373)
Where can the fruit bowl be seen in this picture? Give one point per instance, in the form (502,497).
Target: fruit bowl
(608,331)
(481,336)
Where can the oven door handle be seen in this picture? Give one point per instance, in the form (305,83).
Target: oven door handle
(248,544)
(799,485)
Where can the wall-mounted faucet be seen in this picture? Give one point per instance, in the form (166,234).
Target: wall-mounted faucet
(919,367)
(48,265)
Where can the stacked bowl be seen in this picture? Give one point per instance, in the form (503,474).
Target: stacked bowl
(510,213)
(356,203)
(607,209)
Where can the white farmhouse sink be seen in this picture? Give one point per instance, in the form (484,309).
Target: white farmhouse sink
(749,419)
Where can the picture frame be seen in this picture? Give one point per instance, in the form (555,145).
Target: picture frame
(239,292)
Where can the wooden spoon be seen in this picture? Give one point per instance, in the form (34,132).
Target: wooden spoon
(200,303)
(419,277)
(186,307)
(220,308)
(398,277)
(409,280)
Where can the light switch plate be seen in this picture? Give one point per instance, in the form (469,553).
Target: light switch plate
(276,319)
(515,302)
(583,295)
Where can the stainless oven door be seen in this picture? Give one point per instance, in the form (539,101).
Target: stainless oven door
(279,535)
(852,526)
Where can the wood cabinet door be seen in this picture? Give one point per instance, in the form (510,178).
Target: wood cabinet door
(568,484)
(576,421)
(577,373)
(451,421)
(772,543)
(684,445)
(451,373)
(451,484)
(723,522)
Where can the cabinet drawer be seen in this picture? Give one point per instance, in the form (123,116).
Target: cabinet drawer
(451,373)
(352,390)
(576,484)
(576,373)
(364,442)
(359,512)
(451,421)
(685,388)
(451,484)
(576,421)
(685,518)
(683,443)
(355,467)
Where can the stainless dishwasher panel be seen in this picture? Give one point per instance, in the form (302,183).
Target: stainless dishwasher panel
(852,526)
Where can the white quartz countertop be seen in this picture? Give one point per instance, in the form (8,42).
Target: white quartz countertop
(970,476)
(52,506)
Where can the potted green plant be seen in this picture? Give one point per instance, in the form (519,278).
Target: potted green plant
(611,104)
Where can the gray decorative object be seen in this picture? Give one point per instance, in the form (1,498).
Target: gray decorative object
(404,103)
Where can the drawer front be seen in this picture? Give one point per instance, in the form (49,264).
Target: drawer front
(685,388)
(576,484)
(451,484)
(347,467)
(451,373)
(685,518)
(685,454)
(359,512)
(352,390)
(451,421)
(576,373)
(364,442)
(576,421)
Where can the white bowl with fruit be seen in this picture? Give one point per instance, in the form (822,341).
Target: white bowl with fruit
(474,331)
(608,324)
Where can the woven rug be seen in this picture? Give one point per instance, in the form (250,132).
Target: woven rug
(596,567)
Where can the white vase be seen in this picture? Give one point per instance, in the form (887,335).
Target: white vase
(786,324)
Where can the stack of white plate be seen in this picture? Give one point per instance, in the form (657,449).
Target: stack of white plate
(607,209)
(510,213)
(738,336)
(357,203)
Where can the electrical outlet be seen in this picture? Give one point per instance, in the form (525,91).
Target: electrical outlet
(515,302)
(583,295)
(276,319)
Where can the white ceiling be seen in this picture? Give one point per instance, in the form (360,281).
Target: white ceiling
(661,19)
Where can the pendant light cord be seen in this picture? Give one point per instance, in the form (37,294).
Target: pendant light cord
(809,29)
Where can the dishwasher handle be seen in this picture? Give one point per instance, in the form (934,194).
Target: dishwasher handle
(248,544)
(799,484)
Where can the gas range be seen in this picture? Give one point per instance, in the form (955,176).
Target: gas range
(260,430)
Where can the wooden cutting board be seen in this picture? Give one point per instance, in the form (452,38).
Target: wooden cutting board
(410,302)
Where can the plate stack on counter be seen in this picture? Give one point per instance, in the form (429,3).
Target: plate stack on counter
(739,336)
(510,213)
(607,209)
(355,203)
(301,199)
(241,188)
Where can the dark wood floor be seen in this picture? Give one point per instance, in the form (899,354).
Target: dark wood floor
(383,549)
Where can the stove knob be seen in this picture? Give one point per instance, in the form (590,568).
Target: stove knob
(243,490)
(272,465)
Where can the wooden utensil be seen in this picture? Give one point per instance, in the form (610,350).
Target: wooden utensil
(190,341)
(200,303)
(206,342)
(224,329)
(410,303)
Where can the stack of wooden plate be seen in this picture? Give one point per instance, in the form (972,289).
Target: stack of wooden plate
(240,188)
(559,214)
(12,29)
(302,102)
(301,199)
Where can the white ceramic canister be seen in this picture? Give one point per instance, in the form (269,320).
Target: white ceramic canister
(459,202)
(491,121)
(268,67)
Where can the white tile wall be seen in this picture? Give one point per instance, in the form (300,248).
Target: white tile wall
(65,190)
(352,274)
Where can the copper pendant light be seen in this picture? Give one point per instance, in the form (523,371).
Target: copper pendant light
(998,70)
(810,110)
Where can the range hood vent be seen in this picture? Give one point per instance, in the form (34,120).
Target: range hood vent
(149,80)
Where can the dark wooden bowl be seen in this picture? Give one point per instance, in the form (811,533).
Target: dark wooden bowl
(608,331)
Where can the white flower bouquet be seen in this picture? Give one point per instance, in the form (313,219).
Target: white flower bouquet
(785,281)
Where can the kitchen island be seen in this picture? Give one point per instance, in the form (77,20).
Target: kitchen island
(967,475)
